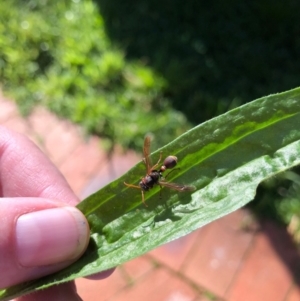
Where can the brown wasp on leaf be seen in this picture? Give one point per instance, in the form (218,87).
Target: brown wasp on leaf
(154,174)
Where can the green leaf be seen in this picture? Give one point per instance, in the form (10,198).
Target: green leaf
(225,158)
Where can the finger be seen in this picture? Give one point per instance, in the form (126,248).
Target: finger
(25,171)
(38,237)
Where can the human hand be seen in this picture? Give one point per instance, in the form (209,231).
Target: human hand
(41,231)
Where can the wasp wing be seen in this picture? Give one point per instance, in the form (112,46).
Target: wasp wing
(146,152)
(178,187)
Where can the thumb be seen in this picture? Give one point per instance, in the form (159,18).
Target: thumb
(38,237)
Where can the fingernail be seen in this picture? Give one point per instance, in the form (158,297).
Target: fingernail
(51,236)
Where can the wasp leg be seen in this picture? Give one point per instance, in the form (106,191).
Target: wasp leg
(171,171)
(154,166)
(132,186)
(137,187)
(143,199)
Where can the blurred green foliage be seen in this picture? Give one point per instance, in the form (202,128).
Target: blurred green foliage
(109,62)
(278,199)
(215,55)
(281,203)
(57,54)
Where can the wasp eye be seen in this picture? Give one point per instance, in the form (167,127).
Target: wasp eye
(170,162)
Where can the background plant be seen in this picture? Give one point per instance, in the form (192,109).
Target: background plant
(58,55)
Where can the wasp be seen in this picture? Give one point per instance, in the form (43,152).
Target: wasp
(154,174)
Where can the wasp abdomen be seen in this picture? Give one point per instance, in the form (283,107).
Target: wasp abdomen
(170,162)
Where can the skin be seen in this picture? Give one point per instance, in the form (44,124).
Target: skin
(29,182)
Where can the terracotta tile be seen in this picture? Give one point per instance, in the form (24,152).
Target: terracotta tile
(17,124)
(61,141)
(159,285)
(82,163)
(217,258)
(8,109)
(294,294)
(205,295)
(110,170)
(284,246)
(123,161)
(103,176)
(100,290)
(175,253)
(175,289)
(20,125)
(145,288)
(138,267)
(41,121)
(263,275)
(203,298)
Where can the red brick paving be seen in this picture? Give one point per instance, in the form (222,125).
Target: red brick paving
(219,255)
(174,254)
(156,286)
(92,290)
(176,288)
(265,274)
(42,121)
(262,269)
(138,267)
(143,288)
(293,294)
(221,261)
(83,162)
(61,140)
(7,109)
(18,124)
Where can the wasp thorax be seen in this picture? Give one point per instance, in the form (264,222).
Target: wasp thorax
(170,162)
